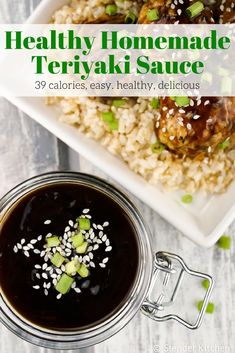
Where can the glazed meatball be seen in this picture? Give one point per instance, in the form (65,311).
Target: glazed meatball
(203,123)
(197,127)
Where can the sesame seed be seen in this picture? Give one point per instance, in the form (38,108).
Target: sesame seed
(44,266)
(171,138)
(67,229)
(105,260)
(104,238)
(37,266)
(94,226)
(71,223)
(42,253)
(54,281)
(92,264)
(39,237)
(77,290)
(22,241)
(73,285)
(102,265)
(44,275)
(105,224)
(91,255)
(48,221)
(189,126)
(179,12)
(38,275)
(15,249)
(86,210)
(195,117)
(206,102)
(59,296)
(53,275)
(33,241)
(26,253)
(88,216)
(36,287)
(96,246)
(30,246)
(19,246)
(99,241)
(48,285)
(45,291)
(109,248)
(99,227)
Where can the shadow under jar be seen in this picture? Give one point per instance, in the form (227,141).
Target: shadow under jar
(76,262)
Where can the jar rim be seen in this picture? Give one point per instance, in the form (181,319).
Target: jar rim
(133,302)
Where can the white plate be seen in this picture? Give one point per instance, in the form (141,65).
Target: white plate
(203,221)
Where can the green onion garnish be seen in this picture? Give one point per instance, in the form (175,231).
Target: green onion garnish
(224,145)
(118,103)
(155,103)
(111,9)
(157,147)
(83,271)
(77,240)
(195,9)
(187,198)
(130,18)
(64,284)
(57,259)
(113,125)
(224,242)
(81,249)
(108,117)
(152,15)
(209,309)
(206,283)
(72,266)
(84,223)
(182,101)
(53,241)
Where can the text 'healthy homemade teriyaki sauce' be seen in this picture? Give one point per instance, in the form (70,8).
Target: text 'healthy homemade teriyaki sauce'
(75,232)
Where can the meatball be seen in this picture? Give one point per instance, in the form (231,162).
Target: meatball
(197,127)
(203,123)
(170,13)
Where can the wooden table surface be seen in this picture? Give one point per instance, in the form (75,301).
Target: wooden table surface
(27,149)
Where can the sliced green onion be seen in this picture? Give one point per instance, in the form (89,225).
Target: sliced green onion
(72,266)
(224,145)
(182,101)
(113,125)
(57,259)
(209,309)
(187,198)
(81,249)
(206,283)
(83,271)
(130,18)
(157,147)
(108,117)
(224,242)
(53,241)
(195,9)
(152,15)
(64,284)
(84,223)
(118,103)
(111,9)
(77,240)
(155,103)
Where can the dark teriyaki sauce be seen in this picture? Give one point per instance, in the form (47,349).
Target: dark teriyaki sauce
(103,292)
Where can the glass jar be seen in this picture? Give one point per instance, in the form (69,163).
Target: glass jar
(140,295)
